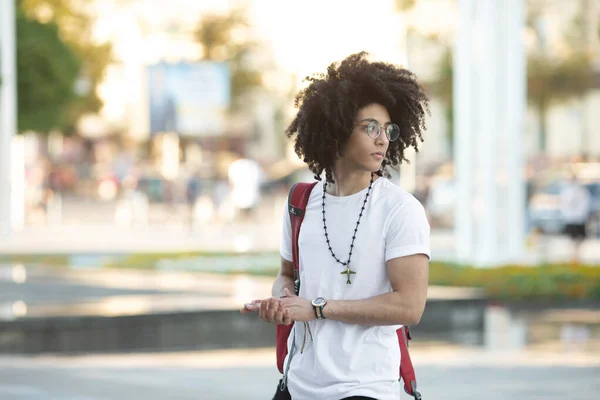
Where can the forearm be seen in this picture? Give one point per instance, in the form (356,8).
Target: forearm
(282,282)
(385,309)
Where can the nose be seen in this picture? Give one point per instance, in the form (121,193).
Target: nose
(382,137)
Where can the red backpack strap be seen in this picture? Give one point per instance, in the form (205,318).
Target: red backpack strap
(407,371)
(297,201)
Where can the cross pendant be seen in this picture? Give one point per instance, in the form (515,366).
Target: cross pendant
(348,272)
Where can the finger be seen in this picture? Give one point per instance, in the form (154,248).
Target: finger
(264,307)
(280,313)
(273,307)
(245,310)
(250,307)
(286,317)
(288,293)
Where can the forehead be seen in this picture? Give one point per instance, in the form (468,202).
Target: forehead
(374,111)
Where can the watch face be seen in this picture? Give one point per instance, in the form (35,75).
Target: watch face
(318,302)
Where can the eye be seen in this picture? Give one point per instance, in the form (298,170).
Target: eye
(393,132)
(373,128)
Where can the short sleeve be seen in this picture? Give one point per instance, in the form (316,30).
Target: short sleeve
(286,237)
(407,231)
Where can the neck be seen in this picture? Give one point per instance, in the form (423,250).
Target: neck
(348,182)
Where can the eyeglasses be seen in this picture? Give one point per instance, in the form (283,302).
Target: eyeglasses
(392,131)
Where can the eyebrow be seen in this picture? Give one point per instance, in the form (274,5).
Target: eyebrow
(373,119)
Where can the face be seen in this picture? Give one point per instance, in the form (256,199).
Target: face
(362,151)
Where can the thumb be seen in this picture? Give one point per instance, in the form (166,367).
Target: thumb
(287,292)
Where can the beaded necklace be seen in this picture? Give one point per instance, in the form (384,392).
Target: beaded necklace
(348,272)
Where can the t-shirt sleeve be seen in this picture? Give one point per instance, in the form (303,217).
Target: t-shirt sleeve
(286,237)
(407,231)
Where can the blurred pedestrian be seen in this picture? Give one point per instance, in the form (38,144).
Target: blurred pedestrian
(364,242)
(245,178)
(575,207)
(193,190)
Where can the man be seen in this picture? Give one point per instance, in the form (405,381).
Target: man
(364,242)
(575,207)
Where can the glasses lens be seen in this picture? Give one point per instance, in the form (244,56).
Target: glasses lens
(373,129)
(393,132)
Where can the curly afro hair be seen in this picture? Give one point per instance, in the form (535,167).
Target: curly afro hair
(329,105)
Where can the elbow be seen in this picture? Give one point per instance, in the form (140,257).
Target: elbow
(414,319)
(413,316)
(408,313)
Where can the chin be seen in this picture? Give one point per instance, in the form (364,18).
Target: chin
(375,168)
(370,167)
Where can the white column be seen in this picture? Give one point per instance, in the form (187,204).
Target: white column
(489,113)
(515,101)
(485,133)
(464,101)
(8,109)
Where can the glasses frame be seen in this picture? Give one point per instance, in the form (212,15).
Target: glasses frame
(379,128)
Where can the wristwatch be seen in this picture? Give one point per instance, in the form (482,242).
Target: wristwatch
(318,305)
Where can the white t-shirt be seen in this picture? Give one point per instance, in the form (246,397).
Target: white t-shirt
(344,359)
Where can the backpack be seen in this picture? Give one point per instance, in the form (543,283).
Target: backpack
(297,200)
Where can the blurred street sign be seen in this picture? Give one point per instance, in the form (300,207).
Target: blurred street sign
(188,98)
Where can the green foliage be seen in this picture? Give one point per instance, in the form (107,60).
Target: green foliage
(405,5)
(225,38)
(47,71)
(556,80)
(514,282)
(74,19)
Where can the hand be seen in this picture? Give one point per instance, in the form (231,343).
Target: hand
(269,310)
(298,308)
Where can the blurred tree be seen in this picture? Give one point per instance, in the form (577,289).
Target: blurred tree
(442,88)
(551,79)
(47,72)
(226,38)
(74,19)
(554,81)
(555,78)
(405,5)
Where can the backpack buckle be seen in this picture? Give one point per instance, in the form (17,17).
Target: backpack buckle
(415,392)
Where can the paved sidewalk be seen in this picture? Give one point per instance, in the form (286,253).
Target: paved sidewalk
(444,372)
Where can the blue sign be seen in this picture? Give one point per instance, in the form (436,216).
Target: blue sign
(188,98)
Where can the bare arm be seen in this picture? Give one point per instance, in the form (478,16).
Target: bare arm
(285,278)
(403,306)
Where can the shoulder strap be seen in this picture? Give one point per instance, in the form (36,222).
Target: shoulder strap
(407,371)
(297,200)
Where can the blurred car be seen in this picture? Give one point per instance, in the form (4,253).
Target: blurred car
(544,208)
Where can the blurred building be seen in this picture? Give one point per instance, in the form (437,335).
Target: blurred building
(146,33)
